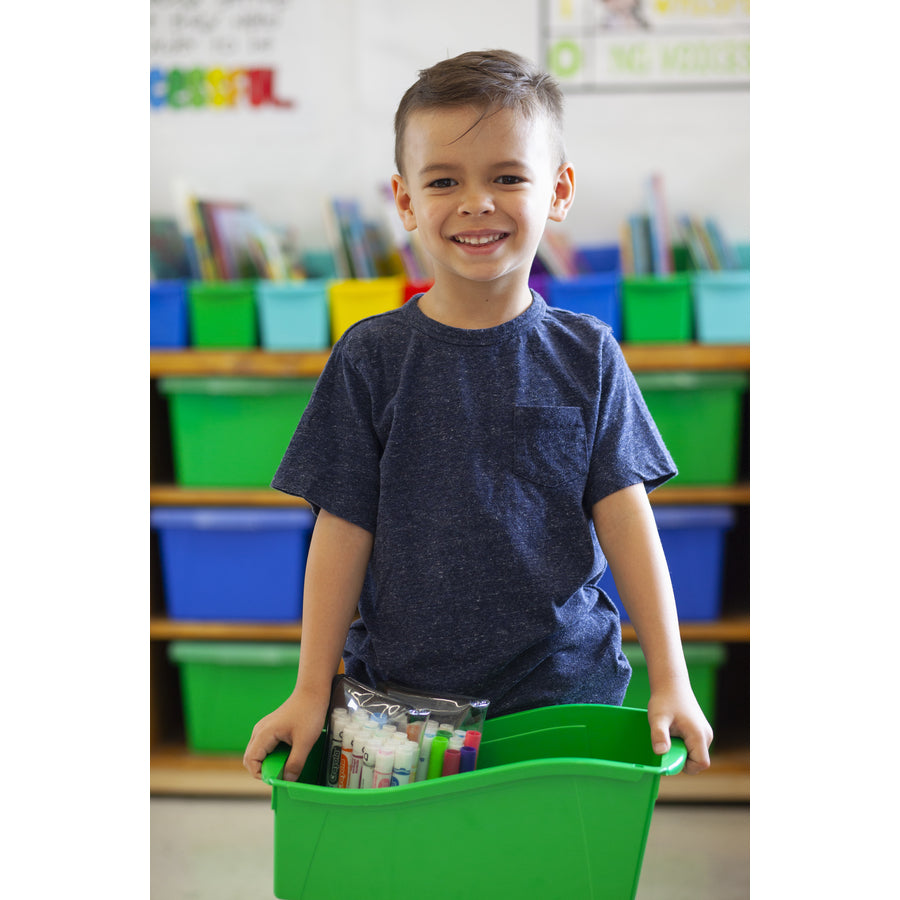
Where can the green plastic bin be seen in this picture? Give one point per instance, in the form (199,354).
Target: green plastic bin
(223,314)
(232,432)
(657,309)
(227,687)
(699,415)
(560,806)
(703,662)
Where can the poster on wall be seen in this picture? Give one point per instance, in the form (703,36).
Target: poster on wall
(649,45)
(220,55)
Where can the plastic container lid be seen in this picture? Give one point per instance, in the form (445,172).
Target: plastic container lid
(691,381)
(694,516)
(251,387)
(227,518)
(233,653)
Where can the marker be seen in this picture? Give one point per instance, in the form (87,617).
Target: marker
(346,757)
(338,722)
(403,760)
(424,755)
(473,739)
(356,760)
(451,762)
(367,776)
(384,766)
(438,749)
(467,759)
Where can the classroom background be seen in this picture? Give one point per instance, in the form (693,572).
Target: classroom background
(271,145)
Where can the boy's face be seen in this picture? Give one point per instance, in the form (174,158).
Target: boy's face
(480,201)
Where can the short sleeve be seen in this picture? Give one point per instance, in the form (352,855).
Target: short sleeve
(627,446)
(332,460)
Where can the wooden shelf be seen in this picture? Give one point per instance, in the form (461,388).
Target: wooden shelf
(734,630)
(267,364)
(174,770)
(175,495)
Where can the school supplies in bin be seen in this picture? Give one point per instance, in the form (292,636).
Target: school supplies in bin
(395,735)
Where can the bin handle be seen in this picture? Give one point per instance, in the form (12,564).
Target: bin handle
(672,762)
(273,764)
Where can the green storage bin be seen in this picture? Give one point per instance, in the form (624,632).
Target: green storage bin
(657,309)
(232,432)
(560,806)
(703,662)
(699,415)
(223,314)
(227,687)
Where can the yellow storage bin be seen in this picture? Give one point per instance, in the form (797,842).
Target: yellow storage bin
(355,299)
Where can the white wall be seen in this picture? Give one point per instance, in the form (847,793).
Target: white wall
(346,63)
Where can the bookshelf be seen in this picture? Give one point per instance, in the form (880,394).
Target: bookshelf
(175,770)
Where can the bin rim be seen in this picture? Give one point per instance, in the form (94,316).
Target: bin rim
(670,763)
(235,653)
(230,518)
(691,380)
(230,386)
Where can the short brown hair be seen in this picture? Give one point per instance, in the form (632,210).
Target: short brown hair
(488,79)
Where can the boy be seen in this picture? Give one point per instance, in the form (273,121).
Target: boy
(465,453)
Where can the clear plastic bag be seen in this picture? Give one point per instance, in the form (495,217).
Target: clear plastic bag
(453,732)
(372,739)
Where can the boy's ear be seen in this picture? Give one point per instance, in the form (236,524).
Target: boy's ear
(403,202)
(563,193)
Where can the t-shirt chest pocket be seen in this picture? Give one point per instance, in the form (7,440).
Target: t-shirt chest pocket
(549,446)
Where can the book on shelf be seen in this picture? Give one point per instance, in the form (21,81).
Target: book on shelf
(707,247)
(558,254)
(404,247)
(169,252)
(658,221)
(641,251)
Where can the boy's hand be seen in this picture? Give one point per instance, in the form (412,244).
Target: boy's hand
(677,713)
(296,722)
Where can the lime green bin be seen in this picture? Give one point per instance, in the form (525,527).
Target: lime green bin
(700,418)
(559,806)
(223,314)
(232,432)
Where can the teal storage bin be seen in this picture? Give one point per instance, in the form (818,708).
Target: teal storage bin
(559,806)
(293,315)
(722,306)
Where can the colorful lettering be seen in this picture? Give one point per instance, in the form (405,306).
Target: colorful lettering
(217,87)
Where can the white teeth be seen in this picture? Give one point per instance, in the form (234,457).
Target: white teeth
(477,241)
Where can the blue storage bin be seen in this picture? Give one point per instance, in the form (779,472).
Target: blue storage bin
(598,294)
(168,314)
(602,258)
(693,539)
(293,315)
(722,306)
(233,564)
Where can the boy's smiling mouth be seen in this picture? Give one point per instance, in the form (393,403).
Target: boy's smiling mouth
(479,240)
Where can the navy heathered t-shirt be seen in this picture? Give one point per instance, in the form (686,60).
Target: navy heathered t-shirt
(474,457)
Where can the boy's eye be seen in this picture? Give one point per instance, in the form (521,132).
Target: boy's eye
(442,183)
(510,179)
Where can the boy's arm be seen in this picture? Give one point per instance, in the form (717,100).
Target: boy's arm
(335,569)
(630,541)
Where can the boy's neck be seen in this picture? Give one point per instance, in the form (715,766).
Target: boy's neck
(473,305)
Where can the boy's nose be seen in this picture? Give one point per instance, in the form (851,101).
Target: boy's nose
(475,203)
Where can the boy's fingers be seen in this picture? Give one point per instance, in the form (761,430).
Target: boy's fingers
(294,765)
(659,736)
